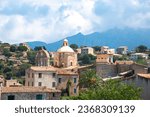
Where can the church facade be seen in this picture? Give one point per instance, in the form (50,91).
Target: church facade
(62,74)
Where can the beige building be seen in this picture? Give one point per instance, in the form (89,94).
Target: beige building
(65,56)
(104,58)
(87,50)
(104,66)
(11,83)
(63,71)
(107,50)
(29,93)
(42,58)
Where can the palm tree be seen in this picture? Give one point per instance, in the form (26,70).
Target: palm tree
(89,79)
(69,83)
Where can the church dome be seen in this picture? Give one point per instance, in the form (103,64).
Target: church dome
(65,47)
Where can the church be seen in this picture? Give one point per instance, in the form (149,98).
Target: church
(61,73)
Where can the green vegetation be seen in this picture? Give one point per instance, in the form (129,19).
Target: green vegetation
(141,61)
(13,48)
(124,57)
(141,48)
(37,48)
(97,48)
(31,57)
(74,46)
(96,89)
(86,58)
(22,48)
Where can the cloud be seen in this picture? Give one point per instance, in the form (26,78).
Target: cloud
(51,20)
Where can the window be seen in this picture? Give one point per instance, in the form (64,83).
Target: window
(39,97)
(32,75)
(53,84)
(53,94)
(71,63)
(28,83)
(40,75)
(59,80)
(11,97)
(40,84)
(54,74)
(32,84)
(28,75)
(75,80)
(75,90)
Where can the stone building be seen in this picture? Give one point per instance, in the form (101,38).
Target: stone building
(42,58)
(65,56)
(104,58)
(57,75)
(105,66)
(12,83)
(29,93)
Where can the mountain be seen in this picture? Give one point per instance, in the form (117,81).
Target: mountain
(33,44)
(112,38)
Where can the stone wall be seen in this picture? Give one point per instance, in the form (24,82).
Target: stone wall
(106,70)
(142,69)
(123,67)
(31,96)
(143,83)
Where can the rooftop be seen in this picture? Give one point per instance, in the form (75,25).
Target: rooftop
(144,75)
(43,68)
(27,90)
(124,62)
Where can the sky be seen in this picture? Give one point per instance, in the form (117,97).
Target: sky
(52,20)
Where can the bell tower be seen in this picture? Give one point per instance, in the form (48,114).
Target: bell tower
(65,42)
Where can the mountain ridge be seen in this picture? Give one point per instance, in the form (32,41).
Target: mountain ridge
(112,38)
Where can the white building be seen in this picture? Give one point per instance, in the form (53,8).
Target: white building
(122,50)
(136,56)
(87,50)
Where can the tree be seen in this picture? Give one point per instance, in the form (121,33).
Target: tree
(22,48)
(141,48)
(9,75)
(89,79)
(86,59)
(13,48)
(23,67)
(111,90)
(6,52)
(37,48)
(74,46)
(97,48)
(69,83)
(97,89)
(7,69)
(31,57)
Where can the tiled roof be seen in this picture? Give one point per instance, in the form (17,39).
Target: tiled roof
(43,68)
(25,89)
(124,62)
(61,72)
(144,76)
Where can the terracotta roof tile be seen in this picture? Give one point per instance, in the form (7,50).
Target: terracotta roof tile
(27,89)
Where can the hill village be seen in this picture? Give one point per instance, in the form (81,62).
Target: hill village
(38,74)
